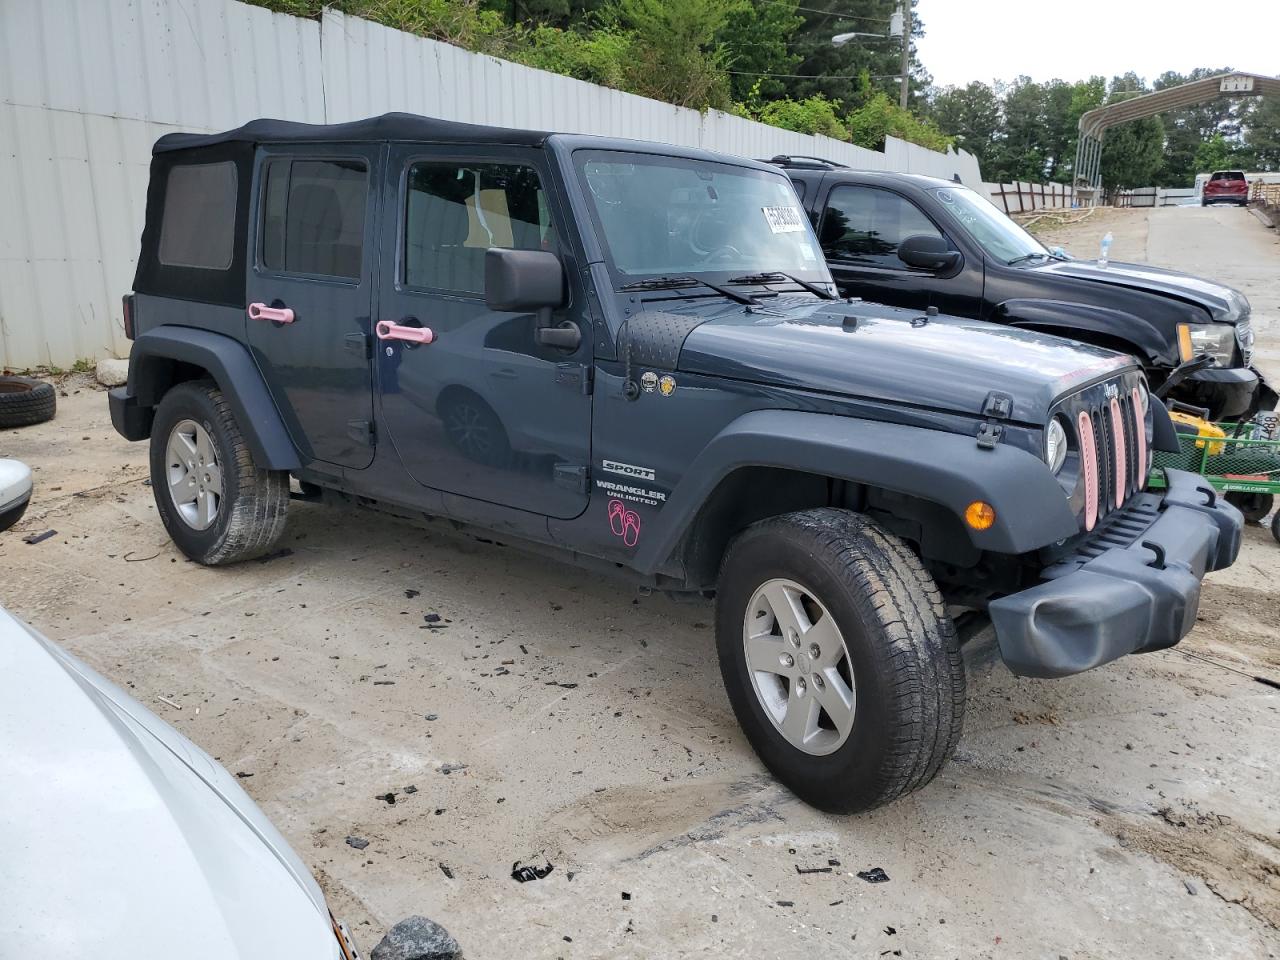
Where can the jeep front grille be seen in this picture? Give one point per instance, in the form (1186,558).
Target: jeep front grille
(1113,450)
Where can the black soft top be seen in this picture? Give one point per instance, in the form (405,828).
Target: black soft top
(389,126)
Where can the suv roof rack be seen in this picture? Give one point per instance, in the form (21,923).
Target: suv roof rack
(800,160)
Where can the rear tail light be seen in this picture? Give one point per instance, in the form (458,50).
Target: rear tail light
(128,315)
(1088,469)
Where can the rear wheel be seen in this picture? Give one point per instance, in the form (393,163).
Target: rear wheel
(838,658)
(216,503)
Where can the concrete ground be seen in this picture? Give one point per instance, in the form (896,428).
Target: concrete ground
(1128,812)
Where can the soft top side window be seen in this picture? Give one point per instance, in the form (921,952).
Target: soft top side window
(455,211)
(197,228)
(313,217)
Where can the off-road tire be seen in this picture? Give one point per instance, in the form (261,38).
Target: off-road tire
(908,675)
(25,401)
(254,503)
(1254,506)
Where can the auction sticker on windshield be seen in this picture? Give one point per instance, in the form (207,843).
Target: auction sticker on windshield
(783,219)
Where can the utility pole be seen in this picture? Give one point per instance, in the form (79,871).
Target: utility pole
(906,53)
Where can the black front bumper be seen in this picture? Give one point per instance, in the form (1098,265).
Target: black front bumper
(1227,392)
(1133,587)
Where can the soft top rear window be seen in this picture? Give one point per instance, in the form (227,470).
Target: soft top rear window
(197,228)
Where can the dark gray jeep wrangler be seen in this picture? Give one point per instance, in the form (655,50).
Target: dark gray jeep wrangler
(633,354)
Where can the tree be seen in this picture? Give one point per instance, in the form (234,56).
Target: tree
(1262,134)
(756,41)
(1131,152)
(881,117)
(972,115)
(674,54)
(1215,153)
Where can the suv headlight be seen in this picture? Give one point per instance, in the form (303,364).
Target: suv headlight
(1216,339)
(1055,445)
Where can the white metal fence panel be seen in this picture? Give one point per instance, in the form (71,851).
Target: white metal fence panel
(86,86)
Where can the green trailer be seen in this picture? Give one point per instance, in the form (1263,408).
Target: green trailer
(1244,464)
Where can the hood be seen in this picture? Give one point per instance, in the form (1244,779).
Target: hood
(1221,302)
(876,352)
(122,839)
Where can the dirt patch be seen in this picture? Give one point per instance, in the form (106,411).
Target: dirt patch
(1239,866)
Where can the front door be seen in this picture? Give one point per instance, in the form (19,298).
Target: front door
(310,290)
(480,410)
(860,230)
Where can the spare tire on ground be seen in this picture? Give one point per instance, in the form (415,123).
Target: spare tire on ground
(24,401)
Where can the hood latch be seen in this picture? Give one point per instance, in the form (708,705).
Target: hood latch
(998,406)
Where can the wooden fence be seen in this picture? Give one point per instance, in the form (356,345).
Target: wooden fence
(1023,197)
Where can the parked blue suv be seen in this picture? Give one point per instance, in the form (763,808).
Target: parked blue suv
(633,355)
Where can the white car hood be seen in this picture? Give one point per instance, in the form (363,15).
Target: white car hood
(121,839)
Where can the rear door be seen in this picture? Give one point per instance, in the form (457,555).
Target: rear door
(860,230)
(481,410)
(310,292)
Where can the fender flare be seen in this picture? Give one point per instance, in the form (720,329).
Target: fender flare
(1067,319)
(232,367)
(949,469)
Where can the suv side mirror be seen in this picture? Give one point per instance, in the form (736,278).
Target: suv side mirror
(516,280)
(928,253)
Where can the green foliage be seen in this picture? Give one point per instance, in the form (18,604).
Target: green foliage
(674,54)
(814,114)
(880,117)
(972,114)
(598,56)
(756,41)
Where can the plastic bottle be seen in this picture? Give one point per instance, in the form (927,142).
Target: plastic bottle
(1105,255)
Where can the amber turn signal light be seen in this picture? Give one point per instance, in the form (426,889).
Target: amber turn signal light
(980,515)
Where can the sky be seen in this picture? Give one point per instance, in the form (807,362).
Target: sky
(1001,39)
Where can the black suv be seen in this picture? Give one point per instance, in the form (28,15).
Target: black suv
(917,242)
(632,355)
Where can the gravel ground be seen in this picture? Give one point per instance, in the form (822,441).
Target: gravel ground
(1130,811)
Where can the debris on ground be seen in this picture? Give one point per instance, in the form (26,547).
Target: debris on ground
(417,938)
(389,797)
(874,875)
(359,843)
(524,872)
(803,870)
(446,870)
(34,538)
(275,555)
(411,593)
(449,768)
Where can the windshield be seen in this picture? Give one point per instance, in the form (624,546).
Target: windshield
(670,216)
(996,233)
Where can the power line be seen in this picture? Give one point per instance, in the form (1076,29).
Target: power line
(813,76)
(829,13)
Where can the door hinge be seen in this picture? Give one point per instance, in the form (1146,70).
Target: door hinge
(574,476)
(575,375)
(362,431)
(361,344)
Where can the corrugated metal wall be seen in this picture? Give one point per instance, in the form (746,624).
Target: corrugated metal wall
(86,86)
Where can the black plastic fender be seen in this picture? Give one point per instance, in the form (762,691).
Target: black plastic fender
(947,468)
(1067,319)
(231,366)
(1164,437)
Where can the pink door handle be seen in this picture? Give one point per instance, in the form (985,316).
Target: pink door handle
(393,331)
(260,311)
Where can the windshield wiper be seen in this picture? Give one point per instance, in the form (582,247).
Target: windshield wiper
(1029,256)
(675,283)
(775,275)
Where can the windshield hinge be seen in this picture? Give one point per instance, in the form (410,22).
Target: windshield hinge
(572,476)
(576,376)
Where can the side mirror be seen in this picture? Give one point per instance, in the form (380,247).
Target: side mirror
(517,280)
(928,253)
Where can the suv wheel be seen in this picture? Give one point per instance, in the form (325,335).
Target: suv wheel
(838,658)
(218,506)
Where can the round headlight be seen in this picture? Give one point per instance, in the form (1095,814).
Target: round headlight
(1055,445)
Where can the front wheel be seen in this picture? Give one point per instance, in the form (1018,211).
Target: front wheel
(838,658)
(1254,506)
(216,503)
